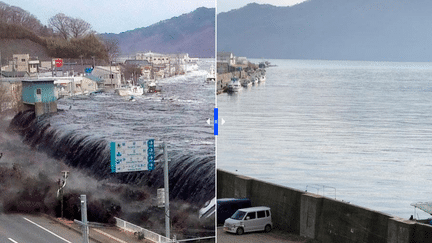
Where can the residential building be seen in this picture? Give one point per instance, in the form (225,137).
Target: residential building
(110,75)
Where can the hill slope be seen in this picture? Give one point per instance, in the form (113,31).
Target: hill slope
(192,33)
(376,30)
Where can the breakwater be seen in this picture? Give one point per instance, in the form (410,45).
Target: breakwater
(321,218)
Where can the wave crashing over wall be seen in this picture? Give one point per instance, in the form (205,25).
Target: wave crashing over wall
(192,178)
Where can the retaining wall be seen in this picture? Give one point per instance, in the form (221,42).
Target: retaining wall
(321,218)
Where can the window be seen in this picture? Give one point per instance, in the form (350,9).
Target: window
(251,215)
(23,60)
(261,214)
(267,213)
(38,91)
(111,76)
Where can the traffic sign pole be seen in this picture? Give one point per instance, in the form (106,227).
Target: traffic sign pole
(84,218)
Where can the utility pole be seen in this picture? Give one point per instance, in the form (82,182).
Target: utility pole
(60,190)
(166,185)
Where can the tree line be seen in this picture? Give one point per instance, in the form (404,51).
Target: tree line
(65,36)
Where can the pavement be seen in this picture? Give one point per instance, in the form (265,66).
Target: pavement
(274,236)
(102,234)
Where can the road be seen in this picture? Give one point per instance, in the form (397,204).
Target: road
(18,228)
(258,237)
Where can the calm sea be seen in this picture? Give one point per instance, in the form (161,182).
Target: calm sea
(357,131)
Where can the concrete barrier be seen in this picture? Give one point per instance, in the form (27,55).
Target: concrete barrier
(321,218)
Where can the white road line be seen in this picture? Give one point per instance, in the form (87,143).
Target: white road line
(12,240)
(47,230)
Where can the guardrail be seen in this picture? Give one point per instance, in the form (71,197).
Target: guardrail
(149,235)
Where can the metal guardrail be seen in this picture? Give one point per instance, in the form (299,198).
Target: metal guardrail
(149,235)
(318,187)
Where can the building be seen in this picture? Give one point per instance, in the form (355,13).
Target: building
(10,95)
(71,86)
(153,58)
(40,95)
(110,75)
(22,63)
(226,57)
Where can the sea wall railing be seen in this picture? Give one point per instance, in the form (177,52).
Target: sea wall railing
(149,235)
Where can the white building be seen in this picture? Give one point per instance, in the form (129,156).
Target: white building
(110,75)
(70,86)
(226,57)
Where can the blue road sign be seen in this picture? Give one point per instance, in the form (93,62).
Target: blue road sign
(132,156)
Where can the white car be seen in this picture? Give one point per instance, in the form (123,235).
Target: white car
(248,220)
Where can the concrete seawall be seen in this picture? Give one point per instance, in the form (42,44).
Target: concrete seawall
(321,218)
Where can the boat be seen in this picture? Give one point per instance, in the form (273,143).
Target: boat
(254,80)
(234,85)
(129,90)
(208,210)
(211,76)
(425,207)
(189,67)
(262,78)
(246,83)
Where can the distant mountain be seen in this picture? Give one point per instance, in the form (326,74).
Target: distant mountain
(192,33)
(375,30)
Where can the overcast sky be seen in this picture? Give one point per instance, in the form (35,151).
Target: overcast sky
(109,16)
(227,5)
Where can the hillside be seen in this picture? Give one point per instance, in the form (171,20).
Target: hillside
(375,30)
(8,47)
(192,33)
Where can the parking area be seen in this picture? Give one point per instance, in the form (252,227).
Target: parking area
(259,237)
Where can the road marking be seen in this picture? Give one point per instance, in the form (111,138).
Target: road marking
(47,230)
(12,240)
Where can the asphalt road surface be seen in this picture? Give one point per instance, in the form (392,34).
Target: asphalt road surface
(18,228)
(257,237)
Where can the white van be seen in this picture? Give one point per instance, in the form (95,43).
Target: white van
(248,220)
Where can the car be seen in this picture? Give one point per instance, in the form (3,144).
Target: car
(226,207)
(249,220)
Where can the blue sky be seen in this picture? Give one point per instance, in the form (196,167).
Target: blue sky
(109,16)
(226,5)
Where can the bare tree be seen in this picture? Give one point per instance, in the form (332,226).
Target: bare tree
(60,24)
(18,16)
(112,48)
(78,27)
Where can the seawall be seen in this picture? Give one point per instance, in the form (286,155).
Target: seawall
(324,219)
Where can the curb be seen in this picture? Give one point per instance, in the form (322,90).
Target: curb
(69,227)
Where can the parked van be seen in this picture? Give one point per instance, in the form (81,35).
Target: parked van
(248,220)
(226,207)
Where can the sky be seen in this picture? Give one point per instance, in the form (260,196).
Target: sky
(109,16)
(227,5)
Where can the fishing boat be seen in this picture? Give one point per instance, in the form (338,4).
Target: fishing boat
(234,85)
(246,83)
(254,80)
(211,76)
(129,90)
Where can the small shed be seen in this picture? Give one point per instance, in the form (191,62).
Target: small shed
(40,95)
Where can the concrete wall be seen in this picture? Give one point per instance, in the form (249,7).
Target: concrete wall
(321,218)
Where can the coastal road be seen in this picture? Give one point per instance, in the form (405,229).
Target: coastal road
(258,237)
(19,228)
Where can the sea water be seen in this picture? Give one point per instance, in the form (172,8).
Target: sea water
(356,131)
